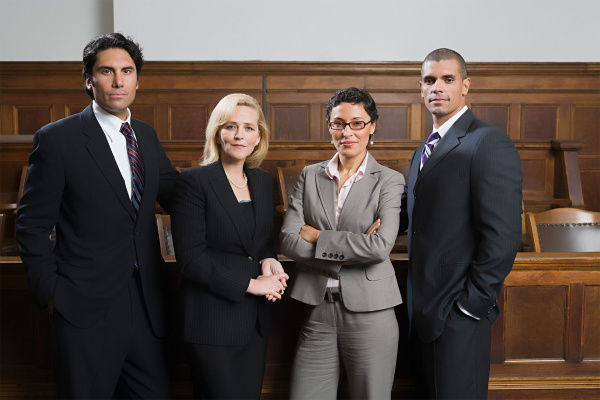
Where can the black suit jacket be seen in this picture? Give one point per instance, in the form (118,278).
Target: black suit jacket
(463,212)
(218,254)
(74,183)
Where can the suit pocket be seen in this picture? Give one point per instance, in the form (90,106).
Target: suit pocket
(379,271)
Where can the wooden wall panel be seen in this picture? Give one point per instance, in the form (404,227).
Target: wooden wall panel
(531,101)
(536,330)
(187,122)
(290,122)
(31,118)
(591,323)
(539,122)
(393,122)
(497,115)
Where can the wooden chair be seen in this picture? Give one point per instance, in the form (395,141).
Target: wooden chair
(163,224)
(2,227)
(286,180)
(564,230)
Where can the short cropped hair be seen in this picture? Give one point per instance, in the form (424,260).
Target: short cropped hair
(353,95)
(109,41)
(221,115)
(447,54)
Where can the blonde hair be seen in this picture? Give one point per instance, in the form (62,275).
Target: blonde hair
(221,115)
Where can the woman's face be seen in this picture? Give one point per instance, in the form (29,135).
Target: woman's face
(348,142)
(239,135)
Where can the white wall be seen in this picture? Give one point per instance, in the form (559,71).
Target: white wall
(306,30)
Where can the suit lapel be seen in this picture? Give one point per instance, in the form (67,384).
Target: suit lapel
(102,155)
(258,197)
(358,190)
(326,191)
(224,193)
(448,143)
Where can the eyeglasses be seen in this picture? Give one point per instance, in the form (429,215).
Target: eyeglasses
(354,125)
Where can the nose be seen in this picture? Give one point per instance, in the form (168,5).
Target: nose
(346,131)
(118,80)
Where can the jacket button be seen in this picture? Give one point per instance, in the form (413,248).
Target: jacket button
(324,255)
(329,255)
(250,258)
(341,257)
(335,256)
(415,233)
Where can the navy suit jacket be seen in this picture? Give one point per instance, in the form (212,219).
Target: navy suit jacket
(463,212)
(74,183)
(218,254)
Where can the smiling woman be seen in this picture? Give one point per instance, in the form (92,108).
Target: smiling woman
(230,274)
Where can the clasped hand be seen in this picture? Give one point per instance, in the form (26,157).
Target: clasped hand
(272,281)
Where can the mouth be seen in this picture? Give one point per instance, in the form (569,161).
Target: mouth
(437,100)
(118,95)
(239,146)
(348,143)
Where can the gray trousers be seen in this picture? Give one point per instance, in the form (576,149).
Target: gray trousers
(366,343)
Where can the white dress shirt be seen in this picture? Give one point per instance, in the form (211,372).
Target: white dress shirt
(111,126)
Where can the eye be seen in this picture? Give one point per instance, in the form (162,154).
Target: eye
(105,71)
(128,71)
(450,80)
(250,128)
(229,126)
(337,125)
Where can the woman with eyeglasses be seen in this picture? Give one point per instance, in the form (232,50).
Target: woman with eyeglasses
(340,227)
(222,225)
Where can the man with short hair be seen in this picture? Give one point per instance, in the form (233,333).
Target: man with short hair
(462,207)
(95,177)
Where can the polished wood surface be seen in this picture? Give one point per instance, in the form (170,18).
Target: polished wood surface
(545,344)
(530,101)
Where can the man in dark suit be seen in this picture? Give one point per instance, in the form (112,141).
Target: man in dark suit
(95,177)
(462,206)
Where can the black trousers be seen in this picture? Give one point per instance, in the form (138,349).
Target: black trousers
(228,372)
(457,364)
(118,357)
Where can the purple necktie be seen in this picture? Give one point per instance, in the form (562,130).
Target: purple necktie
(137,167)
(432,140)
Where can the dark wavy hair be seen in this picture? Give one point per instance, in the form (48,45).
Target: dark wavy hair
(354,96)
(109,41)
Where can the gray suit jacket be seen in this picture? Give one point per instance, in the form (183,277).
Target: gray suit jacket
(369,283)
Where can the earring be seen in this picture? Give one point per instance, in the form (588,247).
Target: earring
(371,139)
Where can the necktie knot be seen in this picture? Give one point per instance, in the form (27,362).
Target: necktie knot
(432,140)
(126,129)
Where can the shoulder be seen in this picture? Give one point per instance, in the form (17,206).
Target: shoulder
(387,174)
(65,125)
(315,168)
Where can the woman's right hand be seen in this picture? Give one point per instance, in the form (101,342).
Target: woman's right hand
(270,285)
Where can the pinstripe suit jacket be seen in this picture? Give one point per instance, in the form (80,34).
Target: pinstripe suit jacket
(218,254)
(368,284)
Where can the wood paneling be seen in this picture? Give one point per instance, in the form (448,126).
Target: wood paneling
(531,101)
(538,122)
(535,330)
(550,314)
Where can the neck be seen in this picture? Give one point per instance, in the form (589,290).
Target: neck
(350,165)
(234,170)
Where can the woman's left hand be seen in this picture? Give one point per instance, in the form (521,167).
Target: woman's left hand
(271,266)
(310,234)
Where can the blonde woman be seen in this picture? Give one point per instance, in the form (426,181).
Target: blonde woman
(222,227)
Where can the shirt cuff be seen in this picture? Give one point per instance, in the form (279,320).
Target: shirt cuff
(465,311)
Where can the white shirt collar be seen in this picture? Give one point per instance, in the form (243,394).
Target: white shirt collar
(109,123)
(442,130)
(332,167)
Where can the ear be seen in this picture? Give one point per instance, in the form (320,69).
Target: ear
(373,127)
(137,85)
(421,89)
(88,83)
(257,142)
(466,85)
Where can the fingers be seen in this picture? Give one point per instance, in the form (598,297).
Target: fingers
(373,228)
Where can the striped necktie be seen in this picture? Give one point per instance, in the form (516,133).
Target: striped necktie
(137,167)
(432,140)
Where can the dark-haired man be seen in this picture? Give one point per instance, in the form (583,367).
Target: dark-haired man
(95,177)
(462,207)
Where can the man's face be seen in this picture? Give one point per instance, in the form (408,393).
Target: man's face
(443,90)
(114,81)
